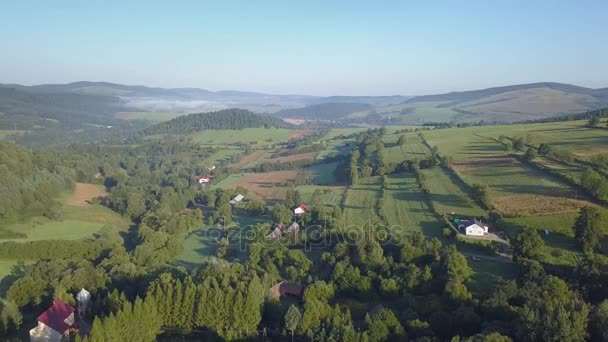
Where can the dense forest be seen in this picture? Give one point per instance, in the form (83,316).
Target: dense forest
(223,119)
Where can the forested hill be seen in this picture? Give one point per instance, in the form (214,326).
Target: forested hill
(223,119)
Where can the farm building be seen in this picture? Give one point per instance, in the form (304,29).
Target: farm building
(472,227)
(301,209)
(284,289)
(55,323)
(237,199)
(203,179)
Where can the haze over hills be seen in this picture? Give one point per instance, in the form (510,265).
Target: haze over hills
(87,105)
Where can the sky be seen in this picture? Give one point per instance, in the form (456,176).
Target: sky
(306,47)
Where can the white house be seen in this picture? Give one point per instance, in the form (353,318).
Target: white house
(473,228)
(203,179)
(237,199)
(53,324)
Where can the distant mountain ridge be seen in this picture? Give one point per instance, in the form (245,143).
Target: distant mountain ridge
(471,95)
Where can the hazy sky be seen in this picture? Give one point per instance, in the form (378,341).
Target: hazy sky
(306,47)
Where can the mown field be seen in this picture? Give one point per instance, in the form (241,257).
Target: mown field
(406,208)
(360,206)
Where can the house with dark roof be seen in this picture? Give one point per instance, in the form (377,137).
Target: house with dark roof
(55,323)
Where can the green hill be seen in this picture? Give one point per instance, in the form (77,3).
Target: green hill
(325,111)
(223,119)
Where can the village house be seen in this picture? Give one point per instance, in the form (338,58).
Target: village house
(203,179)
(301,209)
(472,227)
(55,323)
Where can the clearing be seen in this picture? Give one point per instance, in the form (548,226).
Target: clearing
(84,193)
(448,194)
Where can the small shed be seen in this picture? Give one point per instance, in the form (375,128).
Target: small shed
(237,199)
(293,229)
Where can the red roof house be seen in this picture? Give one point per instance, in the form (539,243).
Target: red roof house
(301,209)
(55,322)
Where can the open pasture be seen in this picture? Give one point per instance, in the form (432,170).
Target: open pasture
(267,185)
(449,194)
(78,222)
(406,207)
(252,136)
(361,201)
(413,149)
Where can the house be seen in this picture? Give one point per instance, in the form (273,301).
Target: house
(473,227)
(203,179)
(284,289)
(301,209)
(237,199)
(55,323)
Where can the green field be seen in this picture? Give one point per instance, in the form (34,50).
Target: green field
(413,148)
(78,223)
(360,207)
(149,116)
(406,207)
(448,194)
(253,136)
(323,174)
(330,195)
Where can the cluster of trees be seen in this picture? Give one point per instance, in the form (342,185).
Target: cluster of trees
(268,166)
(31,180)
(223,119)
(595,183)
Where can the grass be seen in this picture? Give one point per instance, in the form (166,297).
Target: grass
(413,149)
(253,136)
(223,155)
(487,273)
(330,195)
(150,116)
(78,223)
(406,207)
(461,143)
(448,194)
(201,245)
(361,200)
(323,174)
